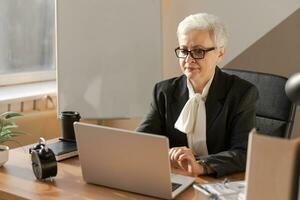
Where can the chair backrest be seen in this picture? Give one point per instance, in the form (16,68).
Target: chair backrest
(275,113)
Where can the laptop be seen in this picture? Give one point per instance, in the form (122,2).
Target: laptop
(128,160)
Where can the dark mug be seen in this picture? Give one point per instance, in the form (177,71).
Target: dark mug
(67,118)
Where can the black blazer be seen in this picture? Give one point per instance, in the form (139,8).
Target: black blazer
(230,115)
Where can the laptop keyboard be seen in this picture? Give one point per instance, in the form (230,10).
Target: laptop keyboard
(175,186)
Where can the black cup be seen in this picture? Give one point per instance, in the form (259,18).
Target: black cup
(67,118)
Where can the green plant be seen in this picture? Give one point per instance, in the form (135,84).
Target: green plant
(7,126)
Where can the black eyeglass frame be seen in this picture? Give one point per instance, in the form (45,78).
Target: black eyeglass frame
(189,52)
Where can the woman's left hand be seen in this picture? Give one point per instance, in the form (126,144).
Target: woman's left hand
(185,159)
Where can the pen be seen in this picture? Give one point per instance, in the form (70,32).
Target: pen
(205,188)
(212,195)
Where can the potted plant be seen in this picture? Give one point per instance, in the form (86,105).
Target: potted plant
(7,131)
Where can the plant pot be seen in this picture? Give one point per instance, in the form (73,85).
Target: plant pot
(3,154)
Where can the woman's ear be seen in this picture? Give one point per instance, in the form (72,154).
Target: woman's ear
(221,52)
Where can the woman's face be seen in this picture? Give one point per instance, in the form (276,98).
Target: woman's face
(199,69)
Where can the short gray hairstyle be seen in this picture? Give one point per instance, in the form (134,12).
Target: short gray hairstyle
(204,21)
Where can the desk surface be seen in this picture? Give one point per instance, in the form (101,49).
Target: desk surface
(17,181)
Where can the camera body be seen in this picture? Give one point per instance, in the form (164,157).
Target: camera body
(44,164)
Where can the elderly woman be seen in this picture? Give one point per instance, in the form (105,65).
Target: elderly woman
(206,113)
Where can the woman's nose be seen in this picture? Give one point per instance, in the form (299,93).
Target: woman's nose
(189,58)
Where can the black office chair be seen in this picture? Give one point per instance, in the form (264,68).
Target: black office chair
(275,113)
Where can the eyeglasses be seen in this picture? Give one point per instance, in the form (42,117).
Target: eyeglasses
(195,53)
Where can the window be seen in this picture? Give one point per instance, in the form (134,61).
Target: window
(27,41)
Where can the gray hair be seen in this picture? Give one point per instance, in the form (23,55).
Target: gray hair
(204,21)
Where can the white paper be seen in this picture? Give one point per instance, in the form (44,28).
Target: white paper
(227,191)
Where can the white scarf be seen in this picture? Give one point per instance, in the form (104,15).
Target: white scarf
(192,119)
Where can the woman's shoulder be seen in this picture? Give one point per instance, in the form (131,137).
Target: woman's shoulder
(239,87)
(237,82)
(171,83)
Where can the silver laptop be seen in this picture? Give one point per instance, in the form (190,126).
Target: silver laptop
(127,160)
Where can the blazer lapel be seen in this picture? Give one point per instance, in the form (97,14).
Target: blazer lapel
(216,94)
(180,97)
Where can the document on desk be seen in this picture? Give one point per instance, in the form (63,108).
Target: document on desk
(224,191)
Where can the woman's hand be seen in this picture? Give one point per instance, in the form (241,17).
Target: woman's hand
(183,157)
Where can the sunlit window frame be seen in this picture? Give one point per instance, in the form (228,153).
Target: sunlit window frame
(27,77)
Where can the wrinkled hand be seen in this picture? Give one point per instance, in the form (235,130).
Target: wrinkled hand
(183,157)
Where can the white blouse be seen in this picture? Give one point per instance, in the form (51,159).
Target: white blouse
(192,119)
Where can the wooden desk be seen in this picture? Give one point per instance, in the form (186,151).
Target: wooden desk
(17,181)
